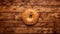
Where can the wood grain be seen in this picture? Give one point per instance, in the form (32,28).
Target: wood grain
(11,11)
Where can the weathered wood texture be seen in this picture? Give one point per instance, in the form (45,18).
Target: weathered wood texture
(11,22)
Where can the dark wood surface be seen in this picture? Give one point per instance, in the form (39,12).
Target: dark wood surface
(11,22)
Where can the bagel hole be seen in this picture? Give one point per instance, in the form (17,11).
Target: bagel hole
(30,16)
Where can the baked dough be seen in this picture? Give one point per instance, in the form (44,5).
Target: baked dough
(30,16)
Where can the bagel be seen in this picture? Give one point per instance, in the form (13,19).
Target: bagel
(30,17)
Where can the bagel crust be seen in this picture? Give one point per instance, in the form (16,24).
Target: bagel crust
(30,17)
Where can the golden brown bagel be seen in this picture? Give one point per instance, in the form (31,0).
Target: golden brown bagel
(30,17)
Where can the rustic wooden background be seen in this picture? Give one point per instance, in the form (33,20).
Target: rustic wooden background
(11,22)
